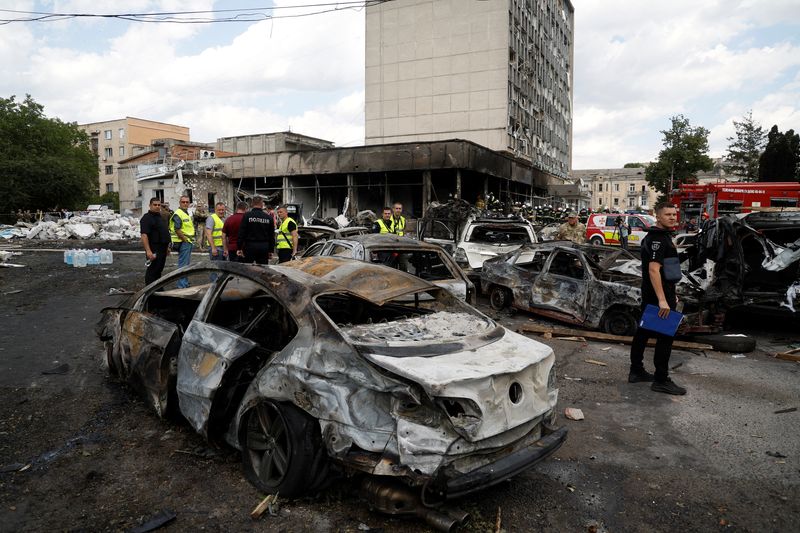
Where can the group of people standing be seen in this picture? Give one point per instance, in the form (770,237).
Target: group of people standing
(246,236)
(391,221)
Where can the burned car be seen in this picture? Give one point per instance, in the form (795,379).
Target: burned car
(425,260)
(328,364)
(580,284)
(308,235)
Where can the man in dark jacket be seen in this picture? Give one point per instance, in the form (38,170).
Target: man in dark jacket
(660,273)
(155,239)
(256,238)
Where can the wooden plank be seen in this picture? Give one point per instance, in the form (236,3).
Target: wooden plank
(788,356)
(598,335)
(595,362)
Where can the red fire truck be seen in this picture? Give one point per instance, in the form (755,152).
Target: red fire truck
(719,199)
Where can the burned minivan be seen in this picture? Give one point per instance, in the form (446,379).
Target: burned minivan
(591,286)
(328,364)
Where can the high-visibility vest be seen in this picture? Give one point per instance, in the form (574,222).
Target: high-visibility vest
(384,227)
(284,239)
(187,226)
(399,225)
(216,233)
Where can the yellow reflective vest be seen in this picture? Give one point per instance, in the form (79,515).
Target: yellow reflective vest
(399,225)
(187,226)
(284,239)
(384,227)
(216,233)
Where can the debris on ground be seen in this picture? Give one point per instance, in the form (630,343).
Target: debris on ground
(791,355)
(158,520)
(777,455)
(595,362)
(574,339)
(573,413)
(738,356)
(788,410)
(497,521)
(596,335)
(676,367)
(104,225)
(60,369)
(269,503)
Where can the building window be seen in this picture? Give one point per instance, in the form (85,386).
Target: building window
(211,201)
(108,152)
(600,202)
(632,201)
(616,201)
(189,194)
(107,134)
(109,187)
(631,187)
(599,187)
(644,188)
(109,170)
(121,151)
(121,133)
(159,193)
(616,187)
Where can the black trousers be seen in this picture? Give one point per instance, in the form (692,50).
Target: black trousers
(662,352)
(156,267)
(256,252)
(284,254)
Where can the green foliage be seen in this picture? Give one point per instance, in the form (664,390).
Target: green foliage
(44,163)
(745,148)
(781,158)
(684,153)
(634,165)
(109,198)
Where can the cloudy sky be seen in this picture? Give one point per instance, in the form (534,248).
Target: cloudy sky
(636,64)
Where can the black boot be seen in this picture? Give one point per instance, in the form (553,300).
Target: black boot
(638,376)
(668,386)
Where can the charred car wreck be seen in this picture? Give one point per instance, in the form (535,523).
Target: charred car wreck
(334,364)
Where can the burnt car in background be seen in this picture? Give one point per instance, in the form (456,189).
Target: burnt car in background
(308,235)
(591,286)
(328,364)
(424,260)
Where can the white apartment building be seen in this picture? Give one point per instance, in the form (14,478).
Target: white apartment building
(496,72)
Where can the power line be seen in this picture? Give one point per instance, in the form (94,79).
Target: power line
(255,14)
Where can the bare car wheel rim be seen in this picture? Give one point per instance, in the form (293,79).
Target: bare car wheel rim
(620,323)
(268,444)
(498,298)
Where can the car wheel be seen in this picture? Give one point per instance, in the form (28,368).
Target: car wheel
(619,321)
(282,449)
(725,343)
(596,241)
(499,298)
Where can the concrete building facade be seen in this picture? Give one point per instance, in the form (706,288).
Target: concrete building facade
(120,139)
(496,72)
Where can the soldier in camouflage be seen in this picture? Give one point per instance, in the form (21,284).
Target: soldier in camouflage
(572,230)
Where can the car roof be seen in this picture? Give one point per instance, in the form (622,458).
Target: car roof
(371,240)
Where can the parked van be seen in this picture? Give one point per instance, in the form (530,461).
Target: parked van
(601,228)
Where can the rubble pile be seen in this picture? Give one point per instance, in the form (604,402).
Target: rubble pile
(102,225)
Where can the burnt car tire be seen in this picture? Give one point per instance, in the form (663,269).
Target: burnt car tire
(499,297)
(723,343)
(282,450)
(619,321)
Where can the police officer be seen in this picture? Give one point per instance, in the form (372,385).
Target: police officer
(287,236)
(181,230)
(660,273)
(385,224)
(256,238)
(398,220)
(155,239)
(214,224)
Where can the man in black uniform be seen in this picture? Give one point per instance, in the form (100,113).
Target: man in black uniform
(256,238)
(660,273)
(155,239)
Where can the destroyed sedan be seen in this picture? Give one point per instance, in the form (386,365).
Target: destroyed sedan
(326,364)
(591,286)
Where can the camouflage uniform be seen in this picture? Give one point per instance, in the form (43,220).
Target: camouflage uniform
(576,233)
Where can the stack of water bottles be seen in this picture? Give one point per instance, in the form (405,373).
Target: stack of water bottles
(83,258)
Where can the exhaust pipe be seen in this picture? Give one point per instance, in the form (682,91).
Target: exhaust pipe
(395,498)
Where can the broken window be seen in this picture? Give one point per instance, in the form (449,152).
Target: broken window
(499,235)
(314,249)
(532,261)
(427,265)
(246,308)
(567,264)
(177,305)
(346,309)
(341,251)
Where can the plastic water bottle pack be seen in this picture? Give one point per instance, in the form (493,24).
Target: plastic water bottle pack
(83,258)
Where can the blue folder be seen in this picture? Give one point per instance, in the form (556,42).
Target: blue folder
(666,326)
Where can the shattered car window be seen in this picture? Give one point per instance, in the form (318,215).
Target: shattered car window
(341,251)
(348,309)
(177,305)
(532,261)
(499,235)
(567,264)
(427,265)
(440,229)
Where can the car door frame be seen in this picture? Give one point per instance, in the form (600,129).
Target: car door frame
(563,305)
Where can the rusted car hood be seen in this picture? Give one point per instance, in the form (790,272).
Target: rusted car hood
(371,282)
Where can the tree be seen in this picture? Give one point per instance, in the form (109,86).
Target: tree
(781,158)
(684,153)
(634,165)
(44,163)
(745,148)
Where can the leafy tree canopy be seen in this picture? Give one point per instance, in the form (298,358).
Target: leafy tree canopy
(781,158)
(634,165)
(44,163)
(745,147)
(684,153)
